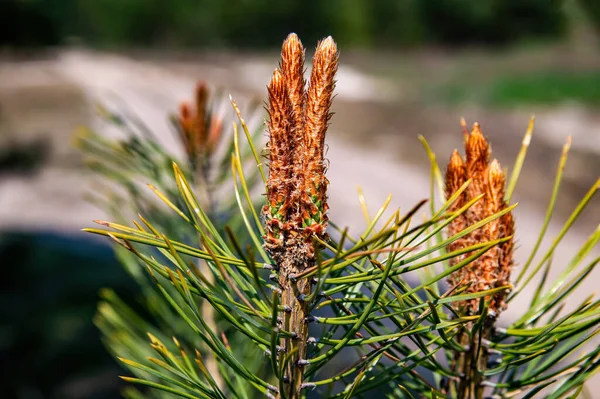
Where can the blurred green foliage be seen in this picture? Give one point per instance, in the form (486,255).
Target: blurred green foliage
(550,87)
(591,9)
(492,21)
(259,23)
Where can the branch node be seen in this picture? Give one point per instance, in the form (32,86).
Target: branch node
(308,385)
(302,297)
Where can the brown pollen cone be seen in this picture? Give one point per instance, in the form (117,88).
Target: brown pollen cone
(455,178)
(186,124)
(280,157)
(292,68)
(477,153)
(493,268)
(499,228)
(318,114)
(214,133)
(201,117)
(200,131)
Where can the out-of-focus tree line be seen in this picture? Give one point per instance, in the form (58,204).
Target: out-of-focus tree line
(260,23)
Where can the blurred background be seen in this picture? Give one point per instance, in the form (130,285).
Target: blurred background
(408,67)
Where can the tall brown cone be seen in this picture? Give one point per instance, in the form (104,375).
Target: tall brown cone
(493,268)
(200,131)
(296,207)
(490,270)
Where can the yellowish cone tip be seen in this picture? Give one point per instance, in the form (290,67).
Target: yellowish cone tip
(465,130)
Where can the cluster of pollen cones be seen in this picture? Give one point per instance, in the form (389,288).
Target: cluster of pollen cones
(200,131)
(298,120)
(487,178)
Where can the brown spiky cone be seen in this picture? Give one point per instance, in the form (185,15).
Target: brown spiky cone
(201,136)
(292,69)
(296,188)
(493,268)
(280,165)
(200,131)
(318,114)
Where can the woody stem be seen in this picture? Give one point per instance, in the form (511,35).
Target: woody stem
(470,365)
(295,314)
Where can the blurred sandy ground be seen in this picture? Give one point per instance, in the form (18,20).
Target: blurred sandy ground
(372,142)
